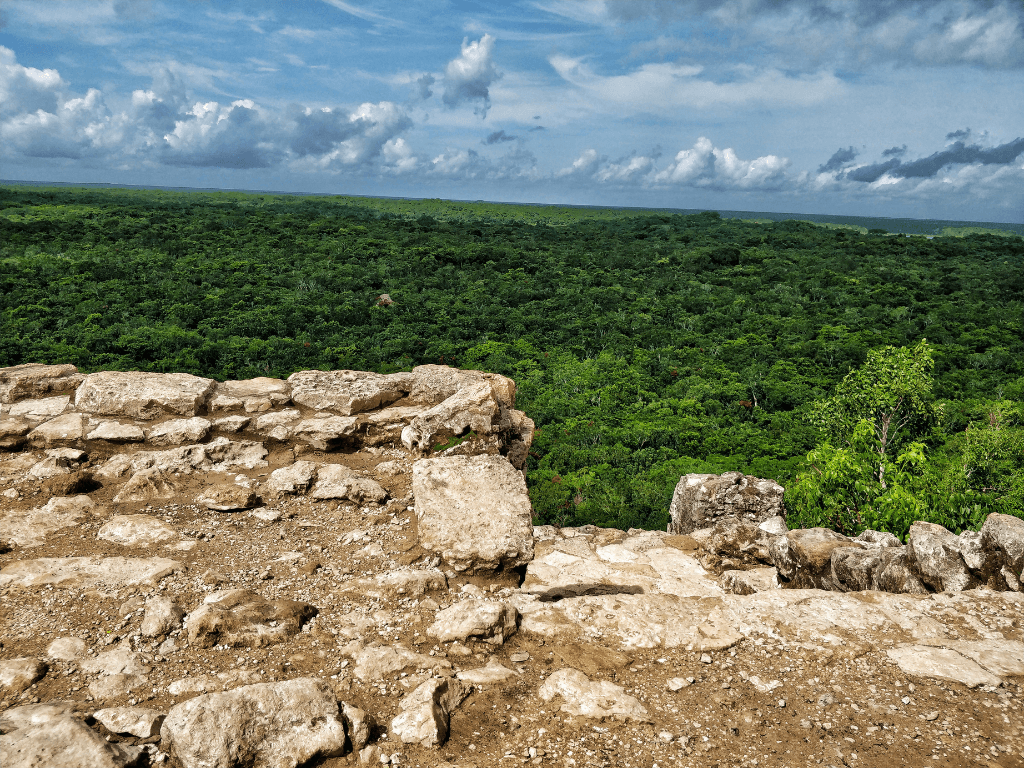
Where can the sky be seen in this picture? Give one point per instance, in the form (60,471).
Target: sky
(902,108)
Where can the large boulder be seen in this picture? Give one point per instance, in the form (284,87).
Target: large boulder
(472,408)
(882,568)
(63,741)
(425,714)
(147,485)
(35,380)
(347,392)
(1002,537)
(18,674)
(487,620)
(30,527)
(325,434)
(268,725)
(179,431)
(67,429)
(241,617)
(700,501)
(139,395)
(473,511)
(254,395)
(336,481)
(803,557)
(935,558)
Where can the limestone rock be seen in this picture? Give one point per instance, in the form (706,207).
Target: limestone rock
(179,431)
(63,742)
(116,686)
(359,725)
(433,384)
(425,714)
(1003,537)
(473,511)
(139,395)
(336,481)
(222,681)
(296,478)
(491,622)
(231,424)
(935,557)
(147,485)
(120,661)
(804,557)
(132,721)
(268,725)
(241,617)
(227,497)
(254,395)
(325,434)
(117,432)
(491,674)
(68,429)
(18,382)
(29,528)
(941,664)
(12,433)
(18,674)
(473,407)
(406,582)
(28,715)
(585,698)
(46,408)
(347,392)
(66,649)
(162,617)
(701,500)
(749,582)
(878,539)
(378,661)
(137,531)
(76,572)
(268,421)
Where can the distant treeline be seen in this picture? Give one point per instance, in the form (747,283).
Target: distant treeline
(645,345)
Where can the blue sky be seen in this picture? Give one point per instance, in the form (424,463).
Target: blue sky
(878,107)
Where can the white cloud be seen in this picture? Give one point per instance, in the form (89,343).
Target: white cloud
(26,89)
(655,87)
(469,76)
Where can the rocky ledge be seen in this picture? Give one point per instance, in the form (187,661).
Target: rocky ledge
(342,569)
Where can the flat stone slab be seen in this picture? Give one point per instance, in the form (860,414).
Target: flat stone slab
(585,698)
(18,382)
(29,528)
(941,664)
(111,572)
(139,395)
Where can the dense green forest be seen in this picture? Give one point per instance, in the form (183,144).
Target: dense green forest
(645,345)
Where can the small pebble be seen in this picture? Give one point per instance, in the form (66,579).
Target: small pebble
(519,657)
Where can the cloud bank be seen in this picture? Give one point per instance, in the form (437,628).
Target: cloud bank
(469,76)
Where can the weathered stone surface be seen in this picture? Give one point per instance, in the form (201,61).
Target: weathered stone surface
(117,432)
(18,674)
(1003,537)
(473,511)
(425,715)
(473,407)
(347,392)
(137,531)
(296,478)
(327,433)
(139,395)
(804,557)
(28,715)
(934,555)
(120,661)
(336,481)
(227,497)
(131,721)
(46,408)
(700,500)
(378,661)
(585,698)
(18,382)
(115,686)
(29,528)
(895,575)
(232,424)
(749,582)
(489,621)
(269,725)
(163,616)
(491,674)
(405,583)
(941,664)
(179,431)
(73,572)
(147,485)
(359,725)
(254,395)
(268,421)
(63,742)
(66,649)
(218,455)
(878,539)
(222,681)
(68,429)
(433,384)
(241,617)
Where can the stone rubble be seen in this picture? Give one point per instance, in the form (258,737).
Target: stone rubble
(388,597)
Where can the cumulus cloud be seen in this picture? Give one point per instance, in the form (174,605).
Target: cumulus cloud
(701,166)
(838,161)
(518,164)
(469,76)
(984,33)
(163,125)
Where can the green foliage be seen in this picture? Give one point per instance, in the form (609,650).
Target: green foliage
(645,344)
